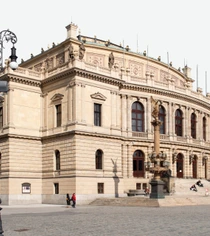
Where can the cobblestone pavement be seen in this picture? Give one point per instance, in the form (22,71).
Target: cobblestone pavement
(106,220)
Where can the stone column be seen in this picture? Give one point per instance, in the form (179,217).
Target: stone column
(69,103)
(10,107)
(44,110)
(123,113)
(118,110)
(113,109)
(128,112)
(5,110)
(124,160)
(83,105)
(171,121)
(129,161)
(149,127)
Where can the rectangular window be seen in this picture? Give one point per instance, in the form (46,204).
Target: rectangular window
(97,114)
(138,185)
(144,185)
(1,117)
(56,187)
(58,115)
(100,187)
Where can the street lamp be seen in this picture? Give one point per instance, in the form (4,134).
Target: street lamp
(6,35)
(157,164)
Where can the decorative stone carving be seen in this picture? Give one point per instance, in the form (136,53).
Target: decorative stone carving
(96,59)
(111,60)
(81,51)
(57,97)
(71,52)
(136,69)
(60,59)
(98,96)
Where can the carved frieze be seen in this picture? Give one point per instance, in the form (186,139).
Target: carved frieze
(118,63)
(163,76)
(38,67)
(136,69)
(60,59)
(96,59)
(153,70)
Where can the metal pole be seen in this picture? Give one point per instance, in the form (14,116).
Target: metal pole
(5,35)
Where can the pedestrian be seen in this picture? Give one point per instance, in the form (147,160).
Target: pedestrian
(73,198)
(68,200)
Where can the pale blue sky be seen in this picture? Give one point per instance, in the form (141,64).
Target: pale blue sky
(179,28)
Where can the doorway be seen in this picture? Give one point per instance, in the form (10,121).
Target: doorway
(194,167)
(138,164)
(179,166)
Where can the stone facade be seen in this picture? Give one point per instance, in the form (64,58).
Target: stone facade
(68,122)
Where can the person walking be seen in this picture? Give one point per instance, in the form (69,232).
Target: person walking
(68,200)
(73,198)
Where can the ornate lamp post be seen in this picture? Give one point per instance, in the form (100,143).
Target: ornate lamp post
(157,158)
(7,36)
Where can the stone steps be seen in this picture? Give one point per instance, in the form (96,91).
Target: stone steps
(126,201)
(182,196)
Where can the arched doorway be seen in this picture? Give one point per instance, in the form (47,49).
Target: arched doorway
(194,167)
(179,166)
(205,166)
(138,164)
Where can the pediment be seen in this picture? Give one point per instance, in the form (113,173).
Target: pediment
(57,97)
(98,96)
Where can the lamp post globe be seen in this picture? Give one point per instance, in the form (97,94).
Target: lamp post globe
(6,35)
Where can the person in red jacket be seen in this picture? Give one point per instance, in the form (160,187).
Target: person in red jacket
(73,198)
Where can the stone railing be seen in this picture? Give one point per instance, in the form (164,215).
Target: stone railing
(139,134)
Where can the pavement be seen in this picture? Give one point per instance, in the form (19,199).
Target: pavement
(53,220)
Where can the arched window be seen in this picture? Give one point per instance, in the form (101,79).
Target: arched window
(204,128)
(178,122)
(193,125)
(138,164)
(137,117)
(162,116)
(57,160)
(98,159)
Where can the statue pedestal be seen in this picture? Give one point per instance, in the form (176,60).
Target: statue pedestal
(157,189)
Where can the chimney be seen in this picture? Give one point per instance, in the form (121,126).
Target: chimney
(72,31)
(187,71)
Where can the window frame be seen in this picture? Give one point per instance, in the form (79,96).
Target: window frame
(193,121)
(97,114)
(99,159)
(178,125)
(58,115)
(57,160)
(162,118)
(204,128)
(100,187)
(135,120)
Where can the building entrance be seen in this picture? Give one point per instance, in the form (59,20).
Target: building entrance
(179,166)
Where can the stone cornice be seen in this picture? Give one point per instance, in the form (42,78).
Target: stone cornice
(21,80)
(164,92)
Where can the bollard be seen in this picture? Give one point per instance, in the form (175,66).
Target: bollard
(1,229)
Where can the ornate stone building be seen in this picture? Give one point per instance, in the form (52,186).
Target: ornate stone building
(77,118)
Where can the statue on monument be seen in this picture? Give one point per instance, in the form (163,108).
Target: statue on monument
(81,51)
(155,105)
(111,60)
(71,52)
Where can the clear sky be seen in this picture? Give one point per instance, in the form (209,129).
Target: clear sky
(177,28)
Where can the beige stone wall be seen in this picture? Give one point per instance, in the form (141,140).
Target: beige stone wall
(29,136)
